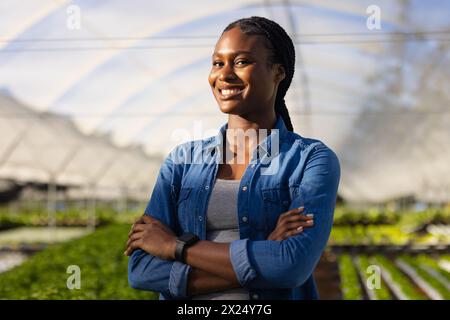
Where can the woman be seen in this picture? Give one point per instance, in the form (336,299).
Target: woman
(247,204)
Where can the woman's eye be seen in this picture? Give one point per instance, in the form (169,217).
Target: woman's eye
(241,62)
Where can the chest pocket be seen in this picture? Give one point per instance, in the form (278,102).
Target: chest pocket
(185,209)
(276,201)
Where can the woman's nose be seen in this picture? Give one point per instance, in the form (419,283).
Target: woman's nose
(227,73)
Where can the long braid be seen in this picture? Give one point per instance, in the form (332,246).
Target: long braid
(283,52)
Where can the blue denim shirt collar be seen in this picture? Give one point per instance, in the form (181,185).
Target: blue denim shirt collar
(278,132)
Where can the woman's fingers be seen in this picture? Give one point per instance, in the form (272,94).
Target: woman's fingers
(303,224)
(295,227)
(295,214)
(299,220)
(140,222)
(292,222)
(136,232)
(137,221)
(292,232)
(133,245)
(284,234)
(299,217)
(147,219)
(134,236)
(136,228)
(295,211)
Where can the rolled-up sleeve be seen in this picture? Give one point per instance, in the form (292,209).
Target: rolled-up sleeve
(289,263)
(240,261)
(147,272)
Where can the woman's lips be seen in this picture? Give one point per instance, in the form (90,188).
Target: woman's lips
(226,94)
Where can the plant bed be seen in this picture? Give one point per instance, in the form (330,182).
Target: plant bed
(397,281)
(100,258)
(434,287)
(350,285)
(382,293)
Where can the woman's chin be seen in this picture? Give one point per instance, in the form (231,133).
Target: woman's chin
(230,108)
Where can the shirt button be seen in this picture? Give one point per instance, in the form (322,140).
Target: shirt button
(244,218)
(200,218)
(252,166)
(206,187)
(255,296)
(244,188)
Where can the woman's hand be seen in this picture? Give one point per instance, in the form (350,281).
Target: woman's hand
(291,223)
(152,236)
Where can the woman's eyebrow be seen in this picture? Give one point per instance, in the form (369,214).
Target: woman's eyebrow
(236,53)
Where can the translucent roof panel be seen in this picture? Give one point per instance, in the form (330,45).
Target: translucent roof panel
(136,71)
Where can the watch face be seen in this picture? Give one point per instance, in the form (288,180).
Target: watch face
(187,237)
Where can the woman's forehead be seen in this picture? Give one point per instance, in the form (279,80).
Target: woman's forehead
(235,41)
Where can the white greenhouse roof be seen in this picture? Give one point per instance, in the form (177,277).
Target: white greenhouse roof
(135,73)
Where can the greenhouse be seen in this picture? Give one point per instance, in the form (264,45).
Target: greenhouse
(94,96)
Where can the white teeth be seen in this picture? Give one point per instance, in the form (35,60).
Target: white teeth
(227,92)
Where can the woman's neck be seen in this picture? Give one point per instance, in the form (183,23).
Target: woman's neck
(264,121)
(244,134)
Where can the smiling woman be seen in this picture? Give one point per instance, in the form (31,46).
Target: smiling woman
(252,220)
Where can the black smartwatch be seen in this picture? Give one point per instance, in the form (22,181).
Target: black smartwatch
(183,242)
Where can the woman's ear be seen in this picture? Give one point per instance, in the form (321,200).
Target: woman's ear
(280,73)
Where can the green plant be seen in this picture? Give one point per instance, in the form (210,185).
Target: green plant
(71,216)
(349,217)
(100,258)
(351,290)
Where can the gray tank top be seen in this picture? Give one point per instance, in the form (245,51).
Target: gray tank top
(222,226)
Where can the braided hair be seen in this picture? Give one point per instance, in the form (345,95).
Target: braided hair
(282,51)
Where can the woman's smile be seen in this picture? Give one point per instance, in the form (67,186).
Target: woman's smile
(230,92)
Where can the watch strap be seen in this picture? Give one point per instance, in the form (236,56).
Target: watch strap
(179,251)
(183,242)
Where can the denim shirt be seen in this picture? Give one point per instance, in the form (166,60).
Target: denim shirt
(286,171)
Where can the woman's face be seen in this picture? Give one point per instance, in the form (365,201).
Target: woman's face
(242,80)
